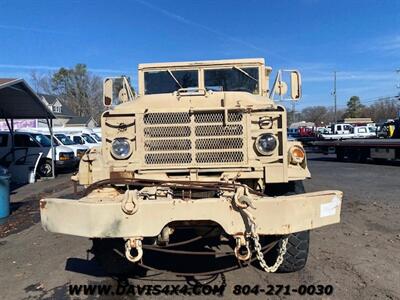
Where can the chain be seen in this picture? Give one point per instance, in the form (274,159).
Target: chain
(258,248)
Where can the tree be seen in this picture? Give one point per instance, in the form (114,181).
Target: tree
(354,108)
(315,114)
(76,87)
(383,109)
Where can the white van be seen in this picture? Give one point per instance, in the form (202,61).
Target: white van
(61,139)
(83,139)
(97,131)
(79,130)
(28,146)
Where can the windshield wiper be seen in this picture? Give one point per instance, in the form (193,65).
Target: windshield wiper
(176,80)
(245,73)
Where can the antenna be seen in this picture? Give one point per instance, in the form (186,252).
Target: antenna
(334,97)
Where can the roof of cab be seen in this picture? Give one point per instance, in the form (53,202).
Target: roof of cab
(203,63)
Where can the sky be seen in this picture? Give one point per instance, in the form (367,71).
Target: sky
(360,40)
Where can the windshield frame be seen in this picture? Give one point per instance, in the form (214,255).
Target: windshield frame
(42,142)
(57,136)
(88,138)
(262,77)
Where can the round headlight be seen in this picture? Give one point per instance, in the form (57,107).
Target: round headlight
(120,148)
(266,143)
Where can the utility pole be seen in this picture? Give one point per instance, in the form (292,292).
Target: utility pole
(334,95)
(398,86)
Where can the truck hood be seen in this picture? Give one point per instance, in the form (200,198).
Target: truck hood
(160,102)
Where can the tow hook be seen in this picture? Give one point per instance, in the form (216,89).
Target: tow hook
(242,198)
(241,242)
(130,202)
(134,243)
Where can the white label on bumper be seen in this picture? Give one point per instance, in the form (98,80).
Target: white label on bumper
(329,209)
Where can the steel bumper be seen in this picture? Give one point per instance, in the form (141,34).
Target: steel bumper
(273,215)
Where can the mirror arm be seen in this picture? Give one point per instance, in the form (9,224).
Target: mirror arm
(128,89)
(277,79)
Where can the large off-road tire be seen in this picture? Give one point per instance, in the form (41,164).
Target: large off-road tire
(297,247)
(296,254)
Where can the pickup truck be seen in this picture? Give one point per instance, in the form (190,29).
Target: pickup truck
(359,132)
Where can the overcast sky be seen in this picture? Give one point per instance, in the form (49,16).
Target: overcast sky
(358,39)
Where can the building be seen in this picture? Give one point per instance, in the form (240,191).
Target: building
(65,117)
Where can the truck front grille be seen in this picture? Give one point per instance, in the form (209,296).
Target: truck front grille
(194,139)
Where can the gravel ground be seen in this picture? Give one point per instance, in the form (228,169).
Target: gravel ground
(359,257)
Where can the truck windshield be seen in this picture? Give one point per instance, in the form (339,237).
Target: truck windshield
(41,139)
(64,139)
(162,82)
(96,137)
(232,79)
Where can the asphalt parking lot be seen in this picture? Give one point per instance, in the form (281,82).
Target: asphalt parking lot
(359,257)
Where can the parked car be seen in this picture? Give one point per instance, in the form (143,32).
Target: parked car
(62,139)
(28,146)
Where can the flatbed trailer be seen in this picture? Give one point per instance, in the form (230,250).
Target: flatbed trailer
(361,149)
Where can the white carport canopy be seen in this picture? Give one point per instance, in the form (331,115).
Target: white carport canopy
(19,101)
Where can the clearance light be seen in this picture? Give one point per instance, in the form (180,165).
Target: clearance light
(297,155)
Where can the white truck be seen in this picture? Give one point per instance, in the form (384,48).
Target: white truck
(358,132)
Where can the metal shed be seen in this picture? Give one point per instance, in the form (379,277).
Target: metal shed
(19,101)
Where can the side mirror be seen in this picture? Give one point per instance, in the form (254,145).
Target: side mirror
(107,92)
(116,90)
(295,85)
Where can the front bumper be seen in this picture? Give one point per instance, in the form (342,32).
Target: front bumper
(96,217)
(66,164)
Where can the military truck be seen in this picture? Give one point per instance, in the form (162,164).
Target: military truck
(202,146)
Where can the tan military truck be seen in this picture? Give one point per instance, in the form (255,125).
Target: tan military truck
(203,146)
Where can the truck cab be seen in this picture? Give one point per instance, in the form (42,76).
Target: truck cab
(199,146)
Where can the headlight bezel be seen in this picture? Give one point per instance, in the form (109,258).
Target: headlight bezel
(125,155)
(262,151)
(295,159)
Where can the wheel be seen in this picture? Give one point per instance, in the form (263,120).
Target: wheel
(45,168)
(297,247)
(296,254)
(339,154)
